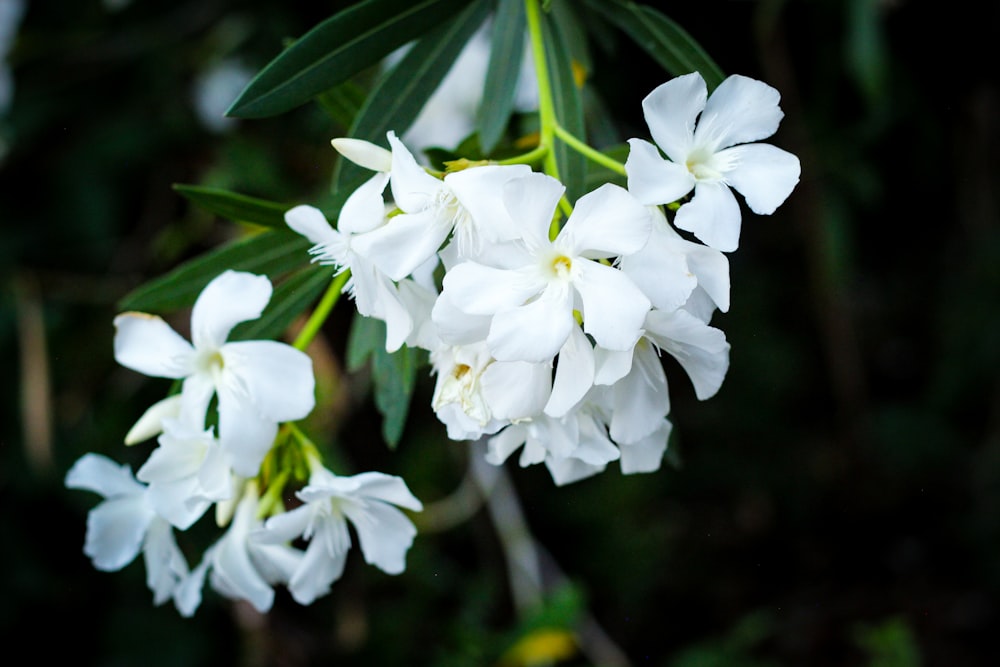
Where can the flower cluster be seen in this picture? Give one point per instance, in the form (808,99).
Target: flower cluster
(256,385)
(544,320)
(546,328)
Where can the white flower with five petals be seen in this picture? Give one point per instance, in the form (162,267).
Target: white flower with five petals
(258,383)
(710,154)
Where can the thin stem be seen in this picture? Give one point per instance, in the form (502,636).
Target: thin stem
(546,106)
(588,152)
(322,311)
(532,156)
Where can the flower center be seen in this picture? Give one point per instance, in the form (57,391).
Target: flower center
(562,266)
(701,164)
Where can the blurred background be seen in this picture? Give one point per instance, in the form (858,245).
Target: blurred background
(837,503)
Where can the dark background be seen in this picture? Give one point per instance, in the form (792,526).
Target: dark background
(838,501)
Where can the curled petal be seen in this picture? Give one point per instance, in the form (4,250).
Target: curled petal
(310,222)
(653,180)
(645,455)
(385,535)
(115,531)
(231,298)
(713,216)
(763,174)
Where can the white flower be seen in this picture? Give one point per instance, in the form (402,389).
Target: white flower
(125,523)
(186,473)
(258,383)
(241,568)
(708,158)
(532,298)
(432,208)
(368,501)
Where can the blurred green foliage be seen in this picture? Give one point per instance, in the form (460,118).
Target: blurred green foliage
(837,502)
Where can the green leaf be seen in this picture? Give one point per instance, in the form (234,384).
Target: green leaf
(394,375)
(668,44)
(343,102)
(506,54)
(290,299)
(273,252)
(233,206)
(337,49)
(568,107)
(400,95)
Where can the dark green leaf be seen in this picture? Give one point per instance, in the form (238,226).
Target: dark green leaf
(337,49)
(568,107)
(669,44)
(273,252)
(400,95)
(290,299)
(233,206)
(506,54)
(394,375)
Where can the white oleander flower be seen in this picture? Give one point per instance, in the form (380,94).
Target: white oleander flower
(126,523)
(241,568)
(432,208)
(187,473)
(369,502)
(711,154)
(258,383)
(532,298)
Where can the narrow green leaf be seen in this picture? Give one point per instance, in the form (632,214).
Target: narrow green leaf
(233,206)
(273,252)
(506,54)
(290,299)
(400,95)
(665,41)
(568,107)
(394,375)
(337,49)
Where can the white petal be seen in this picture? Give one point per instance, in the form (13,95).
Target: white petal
(701,350)
(318,570)
(763,174)
(165,564)
(364,209)
(574,374)
(276,563)
(646,454)
(150,424)
(483,290)
(244,434)
(480,191)
(569,470)
(231,298)
(661,268)
(311,223)
(595,447)
(187,596)
(641,400)
(286,526)
(115,531)
(403,244)
(531,201)
(671,110)
(536,331)
(363,153)
(606,223)
(454,326)
(385,535)
(516,389)
(177,502)
(147,344)
(196,395)
(713,216)
(740,110)
(93,472)
(413,189)
(277,378)
(387,488)
(613,307)
(234,575)
(711,268)
(611,365)
(653,180)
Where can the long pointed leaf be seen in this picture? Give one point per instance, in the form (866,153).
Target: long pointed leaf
(506,54)
(400,95)
(337,49)
(233,206)
(669,44)
(568,107)
(273,252)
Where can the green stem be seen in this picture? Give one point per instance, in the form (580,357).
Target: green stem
(588,152)
(546,106)
(531,157)
(322,311)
